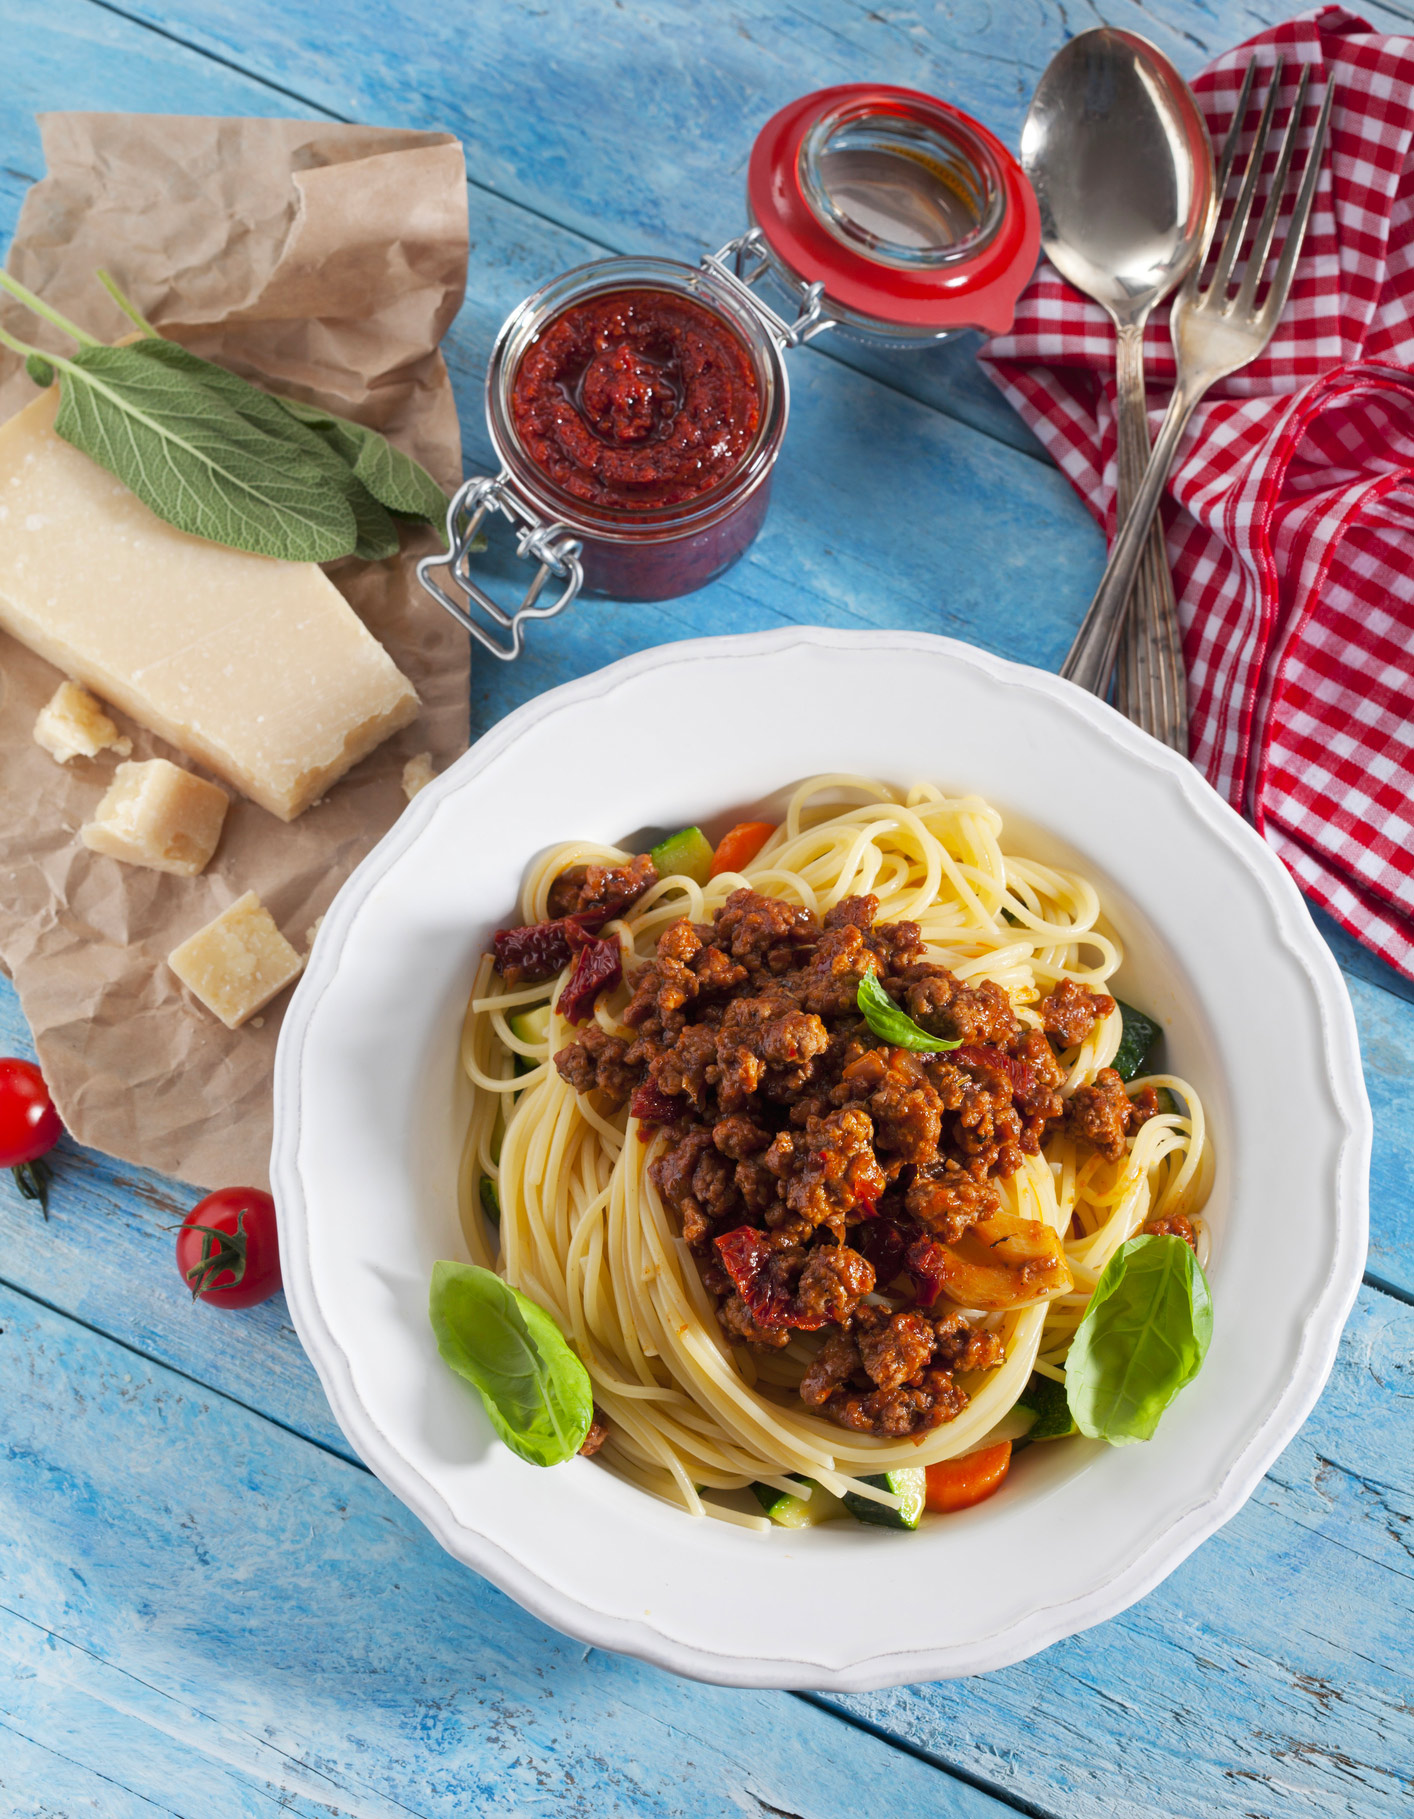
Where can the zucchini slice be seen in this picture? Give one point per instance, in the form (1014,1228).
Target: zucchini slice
(798,1512)
(1047,1398)
(907,1484)
(532,1025)
(686,854)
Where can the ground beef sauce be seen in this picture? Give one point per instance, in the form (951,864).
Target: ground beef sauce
(810,1165)
(636,399)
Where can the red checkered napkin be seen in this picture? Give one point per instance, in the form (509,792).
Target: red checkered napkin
(1290,510)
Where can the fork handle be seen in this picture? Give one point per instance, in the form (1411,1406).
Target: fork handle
(1151,685)
(1091,659)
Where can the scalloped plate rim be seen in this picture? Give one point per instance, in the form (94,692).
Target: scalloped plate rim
(1040,1626)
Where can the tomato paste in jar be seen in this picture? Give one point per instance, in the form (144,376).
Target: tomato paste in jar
(633,400)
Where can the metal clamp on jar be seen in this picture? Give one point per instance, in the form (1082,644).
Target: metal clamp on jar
(637,405)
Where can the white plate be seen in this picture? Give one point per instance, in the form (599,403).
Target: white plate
(368,1114)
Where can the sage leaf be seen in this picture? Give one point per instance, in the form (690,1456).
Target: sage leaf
(377,532)
(394,479)
(536,1391)
(40,370)
(1144,1336)
(895,1027)
(202,466)
(377,529)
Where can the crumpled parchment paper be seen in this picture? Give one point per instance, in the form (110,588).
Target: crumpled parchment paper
(325,261)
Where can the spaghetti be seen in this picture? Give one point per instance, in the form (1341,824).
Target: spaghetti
(585,1232)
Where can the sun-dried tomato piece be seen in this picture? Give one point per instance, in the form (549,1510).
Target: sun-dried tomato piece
(885,1243)
(539,950)
(650,1105)
(755,1272)
(525,955)
(1020,1074)
(745,1254)
(924,1263)
(598,968)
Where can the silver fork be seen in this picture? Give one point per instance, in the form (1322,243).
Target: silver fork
(1213,335)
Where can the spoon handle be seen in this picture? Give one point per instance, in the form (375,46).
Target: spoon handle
(1151,686)
(1092,656)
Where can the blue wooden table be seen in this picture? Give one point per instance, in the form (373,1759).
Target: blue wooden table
(207,1606)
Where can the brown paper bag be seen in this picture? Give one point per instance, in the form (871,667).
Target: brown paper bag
(327,262)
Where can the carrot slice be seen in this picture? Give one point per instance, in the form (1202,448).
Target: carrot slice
(740,845)
(956,1484)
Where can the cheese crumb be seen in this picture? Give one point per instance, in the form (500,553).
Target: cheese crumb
(158,815)
(72,724)
(237,964)
(417,774)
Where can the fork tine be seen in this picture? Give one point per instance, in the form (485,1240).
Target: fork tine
(1237,227)
(1189,288)
(1234,131)
(1262,243)
(1300,216)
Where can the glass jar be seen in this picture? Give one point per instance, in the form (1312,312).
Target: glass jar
(659,552)
(880,212)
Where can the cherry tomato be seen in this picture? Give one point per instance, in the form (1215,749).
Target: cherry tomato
(29,1125)
(29,1128)
(228,1250)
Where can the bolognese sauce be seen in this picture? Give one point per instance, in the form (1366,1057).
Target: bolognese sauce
(830,1183)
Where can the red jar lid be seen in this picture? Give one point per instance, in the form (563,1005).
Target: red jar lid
(915,218)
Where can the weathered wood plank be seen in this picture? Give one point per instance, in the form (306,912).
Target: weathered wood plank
(923,513)
(564,109)
(1269,1676)
(111,1253)
(66,1750)
(1386,1025)
(106,1257)
(542,99)
(228,1621)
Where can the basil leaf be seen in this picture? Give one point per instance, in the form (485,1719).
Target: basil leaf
(376,531)
(197,463)
(1139,1035)
(394,479)
(1144,1336)
(895,1026)
(535,1389)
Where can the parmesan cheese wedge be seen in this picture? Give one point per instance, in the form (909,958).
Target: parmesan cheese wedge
(258,669)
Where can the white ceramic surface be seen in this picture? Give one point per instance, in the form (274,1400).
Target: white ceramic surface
(1219,947)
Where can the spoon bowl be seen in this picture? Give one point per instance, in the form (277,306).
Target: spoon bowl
(1118,154)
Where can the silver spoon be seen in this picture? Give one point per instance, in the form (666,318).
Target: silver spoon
(1118,154)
